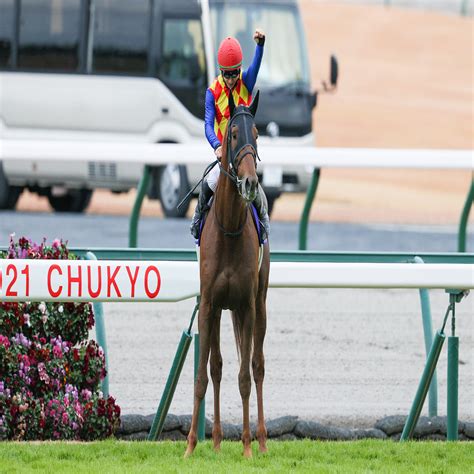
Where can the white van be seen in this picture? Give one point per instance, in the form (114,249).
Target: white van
(100,70)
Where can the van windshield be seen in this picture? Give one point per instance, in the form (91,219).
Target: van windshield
(285,61)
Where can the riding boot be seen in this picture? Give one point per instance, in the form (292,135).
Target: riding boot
(202,206)
(261,205)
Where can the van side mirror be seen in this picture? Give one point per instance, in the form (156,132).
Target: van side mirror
(333,76)
(334,70)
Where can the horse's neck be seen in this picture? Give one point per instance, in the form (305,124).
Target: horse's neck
(230,207)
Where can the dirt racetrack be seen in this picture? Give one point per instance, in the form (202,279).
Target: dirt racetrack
(406,81)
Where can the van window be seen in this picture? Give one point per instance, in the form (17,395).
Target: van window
(6,32)
(49,35)
(183,50)
(182,62)
(120,37)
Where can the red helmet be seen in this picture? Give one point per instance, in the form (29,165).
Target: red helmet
(229,55)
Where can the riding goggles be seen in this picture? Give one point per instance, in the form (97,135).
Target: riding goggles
(231,74)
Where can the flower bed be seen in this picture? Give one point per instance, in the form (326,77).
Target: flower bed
(49,371)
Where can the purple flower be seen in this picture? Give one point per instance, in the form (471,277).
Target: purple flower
(23,253)
(19,338)
(86,394)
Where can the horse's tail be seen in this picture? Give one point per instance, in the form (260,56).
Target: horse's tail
(238,323)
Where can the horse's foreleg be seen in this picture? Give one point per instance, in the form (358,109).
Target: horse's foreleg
(216,375)
(245,382)
(258,369)
(200,386)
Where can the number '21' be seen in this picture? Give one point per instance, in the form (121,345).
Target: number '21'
(12,269)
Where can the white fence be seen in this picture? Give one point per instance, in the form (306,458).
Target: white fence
(79,280)
(198,153)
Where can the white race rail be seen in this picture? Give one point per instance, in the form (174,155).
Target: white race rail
(198,153)
(82,280)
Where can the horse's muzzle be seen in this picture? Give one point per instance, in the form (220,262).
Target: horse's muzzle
(248,187)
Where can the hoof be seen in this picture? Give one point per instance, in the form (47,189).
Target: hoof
(248,452)
(189,451)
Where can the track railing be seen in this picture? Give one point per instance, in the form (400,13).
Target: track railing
(148,155)
(161,275)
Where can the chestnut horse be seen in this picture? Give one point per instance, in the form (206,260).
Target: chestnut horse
(231,278)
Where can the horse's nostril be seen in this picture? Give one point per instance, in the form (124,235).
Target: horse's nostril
(253,184)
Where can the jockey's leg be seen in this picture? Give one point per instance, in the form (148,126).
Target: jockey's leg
(202,205)
(262,210)
(208,187)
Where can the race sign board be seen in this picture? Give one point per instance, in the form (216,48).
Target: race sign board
(92,280)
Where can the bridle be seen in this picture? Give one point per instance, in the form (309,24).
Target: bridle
(235,158)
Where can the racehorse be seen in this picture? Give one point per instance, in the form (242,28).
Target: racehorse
(231,278)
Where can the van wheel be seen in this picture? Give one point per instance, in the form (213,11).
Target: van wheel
(8,194)
(75,200)
(173,185)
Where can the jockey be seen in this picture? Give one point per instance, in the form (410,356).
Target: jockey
(241,84)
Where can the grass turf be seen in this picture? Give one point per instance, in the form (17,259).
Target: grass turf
(289,456)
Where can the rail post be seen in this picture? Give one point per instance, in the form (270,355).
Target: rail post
(425,381)
(101,336)
(142,189)
(172,382)
(428,335)
(453,372)
(455,296)
(303,231)
(464,216)
(453,381)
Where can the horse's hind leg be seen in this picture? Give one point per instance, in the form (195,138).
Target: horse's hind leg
(205,321)
(258,369)
(216,375)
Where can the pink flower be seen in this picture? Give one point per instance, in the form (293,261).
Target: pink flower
(4,341)
(86,394)
(57,352)
(42,373)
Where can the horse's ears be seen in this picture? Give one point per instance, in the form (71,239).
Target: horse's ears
(253,106)
(231,104)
